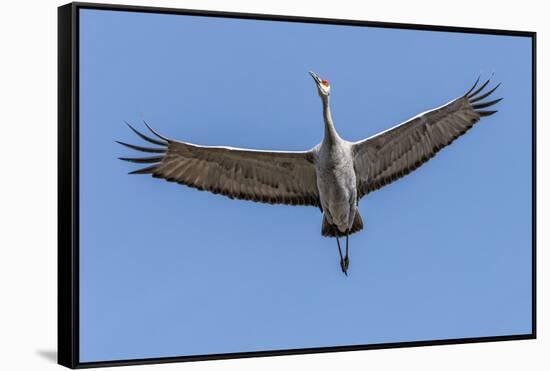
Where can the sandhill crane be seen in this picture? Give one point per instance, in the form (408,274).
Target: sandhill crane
(334,175)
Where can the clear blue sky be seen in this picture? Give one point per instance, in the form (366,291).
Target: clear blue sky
(167,270)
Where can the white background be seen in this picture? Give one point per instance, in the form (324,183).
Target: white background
(28,198)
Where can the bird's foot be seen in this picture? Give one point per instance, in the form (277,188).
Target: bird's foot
(344,264)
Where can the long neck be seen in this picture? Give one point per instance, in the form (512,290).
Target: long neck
(330,132)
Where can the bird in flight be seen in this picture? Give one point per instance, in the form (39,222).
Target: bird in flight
(333,176)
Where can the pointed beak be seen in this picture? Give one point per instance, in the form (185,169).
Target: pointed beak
(315,77)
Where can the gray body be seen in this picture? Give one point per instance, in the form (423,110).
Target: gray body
(336,178)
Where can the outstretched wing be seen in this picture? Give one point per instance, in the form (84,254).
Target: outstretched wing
(262,176)
(392,154)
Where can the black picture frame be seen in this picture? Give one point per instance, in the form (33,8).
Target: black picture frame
(68,183)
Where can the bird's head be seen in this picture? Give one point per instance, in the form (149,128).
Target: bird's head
(323,87)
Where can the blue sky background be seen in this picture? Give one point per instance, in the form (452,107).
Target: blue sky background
(166,270)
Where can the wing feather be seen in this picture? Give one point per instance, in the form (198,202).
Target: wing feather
(275,177)
(393,153)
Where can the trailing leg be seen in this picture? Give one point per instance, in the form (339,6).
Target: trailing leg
(346,258)
(342,261)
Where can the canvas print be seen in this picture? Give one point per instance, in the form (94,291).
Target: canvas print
(299,185)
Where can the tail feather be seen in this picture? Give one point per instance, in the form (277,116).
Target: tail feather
(330,230)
